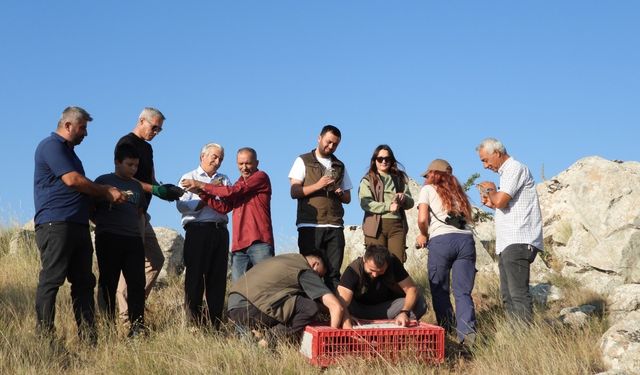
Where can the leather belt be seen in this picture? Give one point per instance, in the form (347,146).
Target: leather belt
(212,224)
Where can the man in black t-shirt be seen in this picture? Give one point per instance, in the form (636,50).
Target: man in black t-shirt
(149,125)
(376,286)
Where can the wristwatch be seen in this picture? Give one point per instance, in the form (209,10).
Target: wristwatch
(405,311)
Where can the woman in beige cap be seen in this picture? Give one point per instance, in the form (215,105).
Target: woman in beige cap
(384,195)
(443,213)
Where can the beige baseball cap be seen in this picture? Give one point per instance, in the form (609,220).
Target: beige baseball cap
(438,165)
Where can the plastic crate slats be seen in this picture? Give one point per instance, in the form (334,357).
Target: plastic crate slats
(424,342)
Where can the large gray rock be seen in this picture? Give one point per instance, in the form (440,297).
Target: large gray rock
(577,316)
(23,242)
(622,300)
(545,293)
(171,242)
(591,216)
(620,345)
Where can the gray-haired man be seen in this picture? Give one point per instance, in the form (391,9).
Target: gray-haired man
(62,199)
(518,224)
(206,242)
(149,125)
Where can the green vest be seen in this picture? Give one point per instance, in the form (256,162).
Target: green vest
(272,285)
(323,206)
(371,222)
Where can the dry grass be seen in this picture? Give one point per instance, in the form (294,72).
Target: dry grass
(172,348)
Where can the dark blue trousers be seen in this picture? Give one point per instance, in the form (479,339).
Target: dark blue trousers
(452,258)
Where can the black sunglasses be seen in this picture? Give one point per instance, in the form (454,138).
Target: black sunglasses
(381,159)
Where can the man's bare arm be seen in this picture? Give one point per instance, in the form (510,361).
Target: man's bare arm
(82,184)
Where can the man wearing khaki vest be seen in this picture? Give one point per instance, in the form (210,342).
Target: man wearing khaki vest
(279,294)
(321,184)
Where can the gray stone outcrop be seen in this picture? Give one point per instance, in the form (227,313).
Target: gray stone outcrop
(171,242)
(620,345)
(591,214)
(623,300)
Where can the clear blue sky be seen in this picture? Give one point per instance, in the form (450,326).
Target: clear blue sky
(555,80)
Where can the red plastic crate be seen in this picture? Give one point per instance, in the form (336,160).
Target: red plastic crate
(324,345)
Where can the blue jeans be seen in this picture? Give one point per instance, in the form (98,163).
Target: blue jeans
(453,253)
(242,260)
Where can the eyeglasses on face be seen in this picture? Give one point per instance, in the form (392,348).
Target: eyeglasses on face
(381,159)
(154,128)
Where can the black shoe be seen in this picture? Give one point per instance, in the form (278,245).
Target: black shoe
(469,340)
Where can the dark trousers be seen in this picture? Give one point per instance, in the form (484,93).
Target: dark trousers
(330,243)
(117,253)
(514,269)
(452,257)
(65,253)
(304,312)
(206,253)
(387,309)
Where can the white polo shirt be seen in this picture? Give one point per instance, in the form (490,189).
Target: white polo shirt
(521,221)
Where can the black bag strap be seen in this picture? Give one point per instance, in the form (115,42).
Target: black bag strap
(436,216)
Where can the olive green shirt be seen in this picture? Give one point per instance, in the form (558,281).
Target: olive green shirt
(369,204)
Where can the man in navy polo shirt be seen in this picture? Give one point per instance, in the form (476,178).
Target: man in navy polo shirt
(62,197)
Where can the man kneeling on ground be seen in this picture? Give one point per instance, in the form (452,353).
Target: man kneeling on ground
(377,286)
(279,294)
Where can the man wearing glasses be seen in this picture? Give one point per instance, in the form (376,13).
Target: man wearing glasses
(148,126)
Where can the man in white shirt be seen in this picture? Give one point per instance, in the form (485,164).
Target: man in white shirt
(321,184)
(518,224)
(206,243)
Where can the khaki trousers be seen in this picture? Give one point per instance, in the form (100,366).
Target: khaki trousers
(153,261)
(392,236)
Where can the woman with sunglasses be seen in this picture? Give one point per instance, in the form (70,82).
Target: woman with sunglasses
(443,213)
(384,195)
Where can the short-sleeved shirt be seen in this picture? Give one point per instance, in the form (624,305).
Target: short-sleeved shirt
(429,196)
(374,290)
(521,221)
(311,284)
(298,172)
(55,201)
(124,218)
(145,166)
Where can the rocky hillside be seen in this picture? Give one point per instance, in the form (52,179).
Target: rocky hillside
(591,214)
